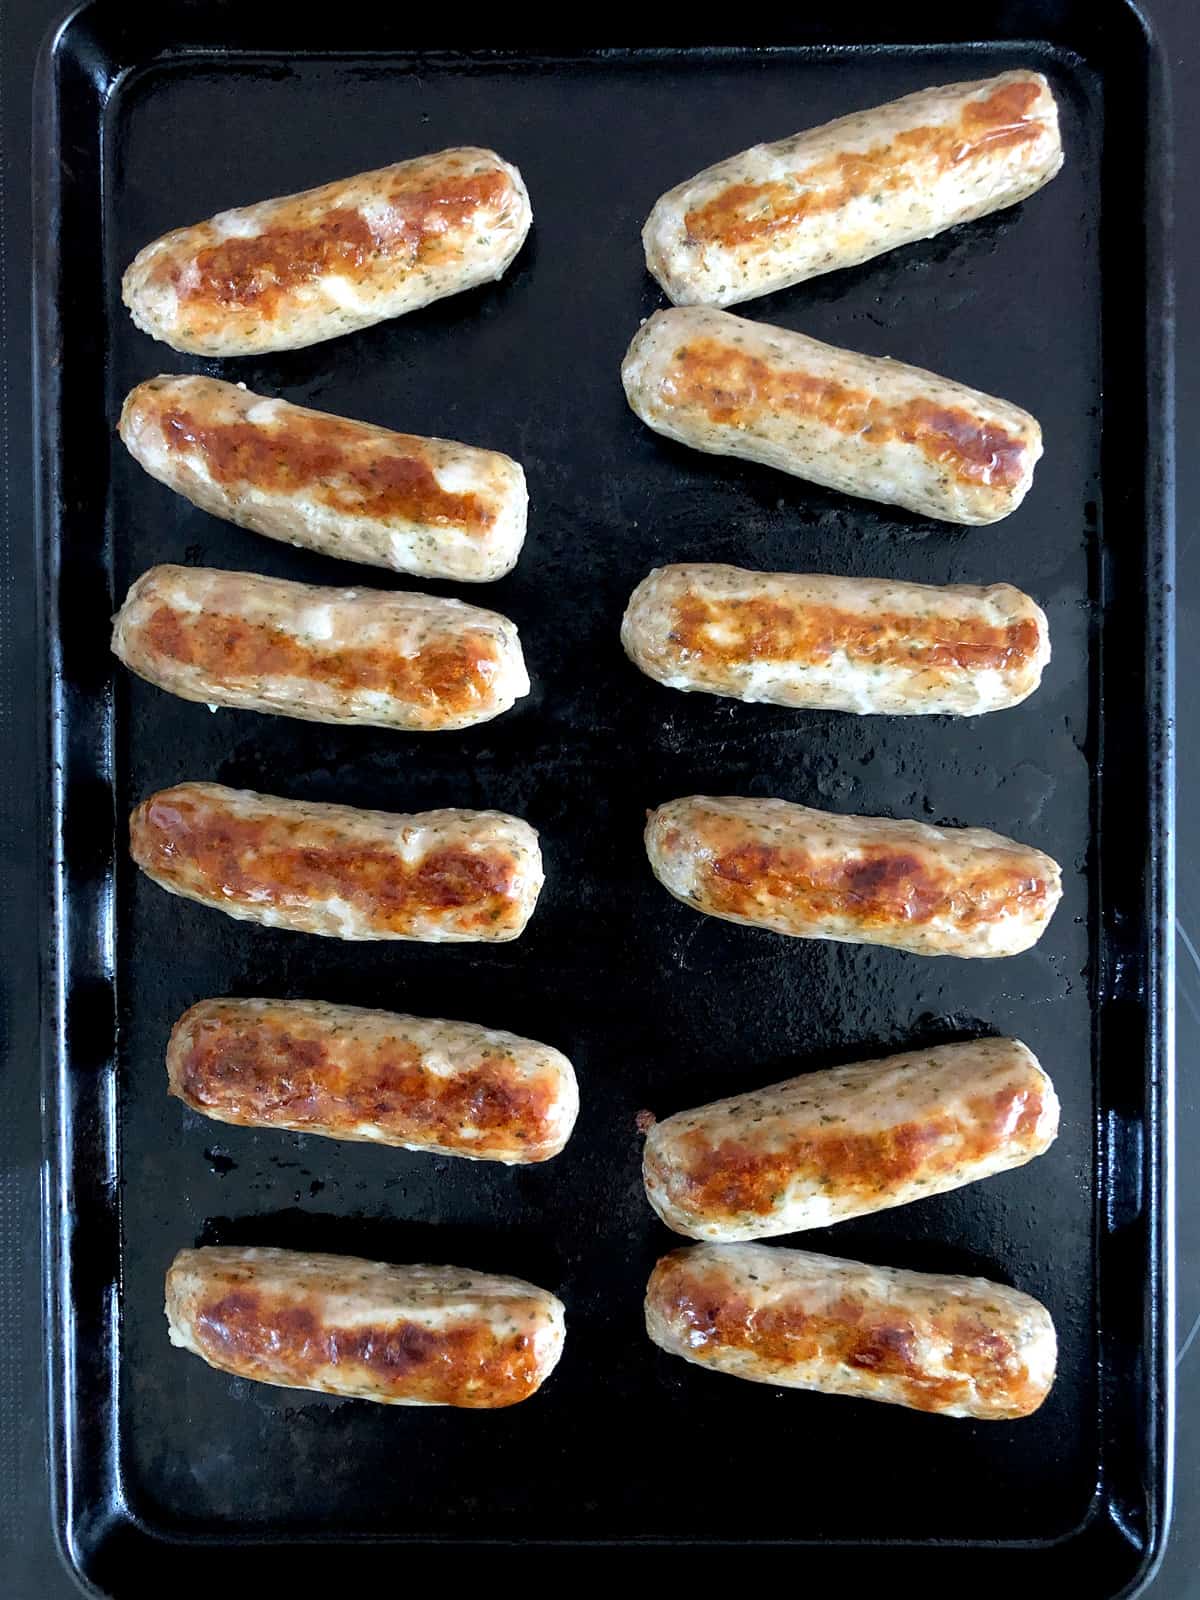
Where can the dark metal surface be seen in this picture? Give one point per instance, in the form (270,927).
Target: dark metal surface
(656,1006)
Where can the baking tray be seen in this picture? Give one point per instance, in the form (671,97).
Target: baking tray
(168,1472)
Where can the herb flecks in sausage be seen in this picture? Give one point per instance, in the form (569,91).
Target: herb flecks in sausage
(405,1335)
(836,1144)
(878,886)
(735,1177)
(855,1335)
(732,387)
(339,871)
(414,223)
(959,1346)
(819,875)
(262,862)
(860,424)
(271,1337)
(862,645)
(451,675)
(718,632)
(285,273)
(746,213)
(349,1073)
(845,192)
(390,660)
(347,466)
(349,488)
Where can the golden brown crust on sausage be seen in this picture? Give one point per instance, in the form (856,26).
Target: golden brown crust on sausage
(365,656)
(843,193)
(861,645)
(285,273)
(364,493)
(729,385)
(959,1346)
(830,1145)
(326,457)
(452,1088)
(817,875)
(769,632)
(265,270)
(399,1335)
(851,422)
(335,870)
(744,213)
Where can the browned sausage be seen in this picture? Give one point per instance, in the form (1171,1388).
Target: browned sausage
(404,1336)
(850,1140)
(864,880)
(452,1088)
(285,273)
(963,1347)
(335,870)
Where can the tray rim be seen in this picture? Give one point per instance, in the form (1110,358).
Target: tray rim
(125,1531)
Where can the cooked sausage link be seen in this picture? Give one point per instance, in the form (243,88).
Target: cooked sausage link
(423,1083)
(433,876)
(837,644)
(864,880)
(842,193)
(404,1336)
(855,423)
(837,1144)
(963,1347)
(348,489)
(286,273)
(366,656)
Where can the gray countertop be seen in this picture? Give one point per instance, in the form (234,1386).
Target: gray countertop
(27,1557)
(1179,1575)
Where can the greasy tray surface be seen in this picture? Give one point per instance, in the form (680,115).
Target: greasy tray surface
(656,1006)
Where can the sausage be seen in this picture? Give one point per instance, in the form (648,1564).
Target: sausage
(451,1088)
(434,876)
(383,660)
(859,880)
(405,1336)
(868,427)
(290,272)
(349,489)
(837,1144)
(837,644)
(833,196)
(963,1347)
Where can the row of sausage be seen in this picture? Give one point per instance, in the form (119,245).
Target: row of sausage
(421,1335)
(422,663)
(289,272)
(815,1150)
(456,875)
(812,1151)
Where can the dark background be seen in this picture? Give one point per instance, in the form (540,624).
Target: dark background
(28,1564)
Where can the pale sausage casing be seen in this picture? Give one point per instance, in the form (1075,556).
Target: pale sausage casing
(404,1336)
(859,424)
(837,644)
(349,489)
(286,273)
(842,193)
(840,1143)
(434,876)
(451,1088)
(963,1347)
(411,661)
(863,880)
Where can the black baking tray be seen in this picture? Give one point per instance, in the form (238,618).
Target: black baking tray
(166,1472)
